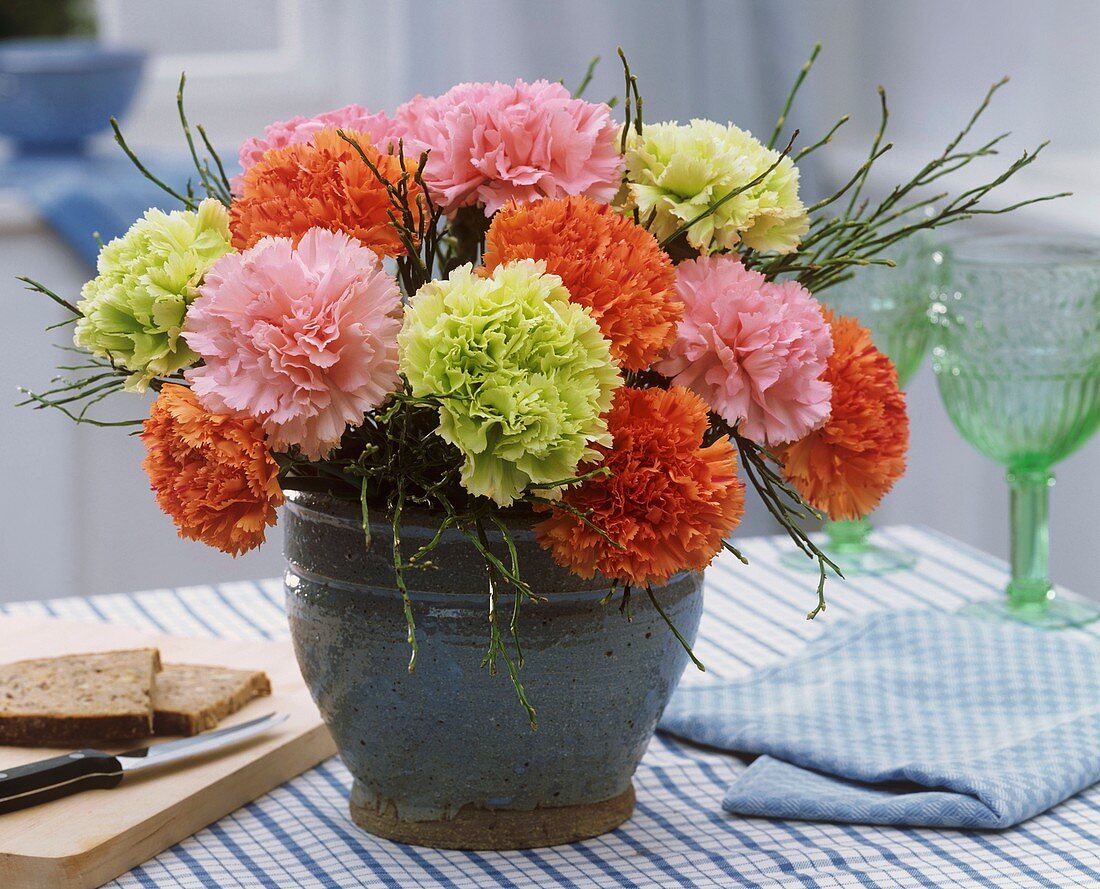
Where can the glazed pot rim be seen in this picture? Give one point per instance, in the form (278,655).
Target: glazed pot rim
(344,514)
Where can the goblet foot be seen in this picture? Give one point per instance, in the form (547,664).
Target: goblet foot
(1053,614)
(867,559)
(847,544)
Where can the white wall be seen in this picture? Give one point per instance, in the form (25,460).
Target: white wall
(77,514)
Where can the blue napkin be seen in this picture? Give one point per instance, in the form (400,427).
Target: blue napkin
(917,718)
(81,194)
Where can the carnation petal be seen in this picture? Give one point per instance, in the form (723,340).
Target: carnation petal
(755,350)
(322,183)
(304,340)
(678,171)
(667,503)
(609,265)
(211,473)
(848,464)
(491,143)
(132,311)
(522,375)
(354,118)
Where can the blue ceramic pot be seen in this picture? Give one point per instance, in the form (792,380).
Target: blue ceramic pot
(55,94)
(445,756)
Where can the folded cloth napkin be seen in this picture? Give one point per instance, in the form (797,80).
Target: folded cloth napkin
(918,718)
(81,194)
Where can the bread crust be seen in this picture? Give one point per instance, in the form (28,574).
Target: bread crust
(50,724)
(237,688)
(68,731)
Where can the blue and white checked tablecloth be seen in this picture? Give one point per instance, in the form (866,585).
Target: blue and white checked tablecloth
(300,835)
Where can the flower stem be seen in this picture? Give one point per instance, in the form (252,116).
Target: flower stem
(675,632)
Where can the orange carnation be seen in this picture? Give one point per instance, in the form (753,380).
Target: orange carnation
(323,184)
(845,467)
(211,473)
(669,501)
(608,264)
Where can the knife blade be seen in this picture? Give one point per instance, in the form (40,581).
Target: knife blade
(49,779)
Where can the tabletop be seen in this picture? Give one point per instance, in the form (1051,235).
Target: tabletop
(300,835)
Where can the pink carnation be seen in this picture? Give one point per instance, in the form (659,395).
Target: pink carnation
(754,349)
(303,129)
(303,339)
(491,143)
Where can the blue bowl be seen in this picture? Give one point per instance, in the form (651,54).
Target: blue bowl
(55,94)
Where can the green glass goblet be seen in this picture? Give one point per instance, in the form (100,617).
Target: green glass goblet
(1016,351)
(893,304)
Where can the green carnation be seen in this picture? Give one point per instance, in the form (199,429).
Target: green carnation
(675,172)
(133,309)
(522,374)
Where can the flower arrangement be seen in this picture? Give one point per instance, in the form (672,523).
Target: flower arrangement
(501,298)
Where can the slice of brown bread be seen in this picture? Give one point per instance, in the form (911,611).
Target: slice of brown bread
(190,698)
(71,700)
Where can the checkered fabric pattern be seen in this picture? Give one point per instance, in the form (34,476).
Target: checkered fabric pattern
(919,718)
(300,835)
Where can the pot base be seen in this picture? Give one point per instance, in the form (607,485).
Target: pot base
(500,829)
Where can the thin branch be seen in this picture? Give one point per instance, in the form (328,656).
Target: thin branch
(675,632)
(824,140)
(217,160)
(587,79)
(627,103)
(884,119)
(188,202)
(211,189)
(781,122)
(399,573)
(36,287)
(76,418)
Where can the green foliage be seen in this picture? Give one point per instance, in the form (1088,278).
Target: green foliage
(46,18)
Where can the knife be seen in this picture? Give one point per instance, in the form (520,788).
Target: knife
(50,779)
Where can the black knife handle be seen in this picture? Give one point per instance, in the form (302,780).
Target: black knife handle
(50,779)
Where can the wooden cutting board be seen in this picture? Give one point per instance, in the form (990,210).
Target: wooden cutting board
(91,838)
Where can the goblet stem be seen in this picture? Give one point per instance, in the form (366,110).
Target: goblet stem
(1030,598)
(1030,587)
